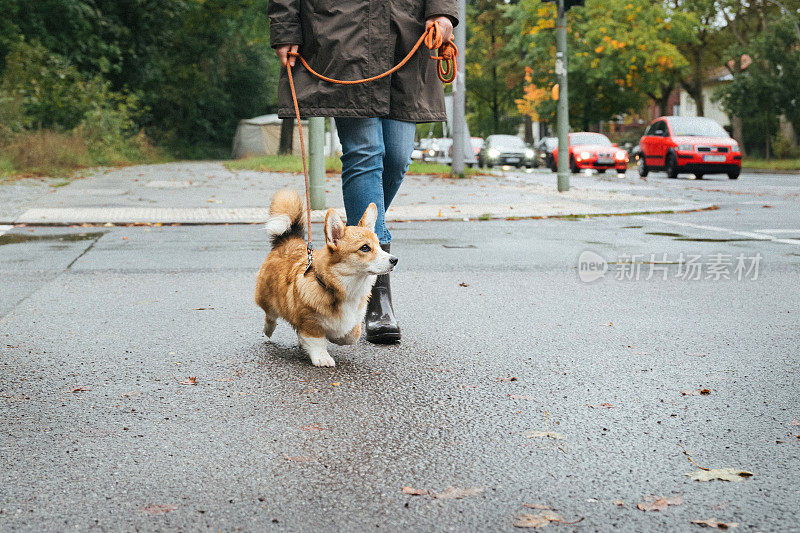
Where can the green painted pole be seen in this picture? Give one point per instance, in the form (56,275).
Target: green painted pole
(316,160)
(563,100)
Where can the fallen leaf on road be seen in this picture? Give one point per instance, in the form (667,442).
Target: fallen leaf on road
(795,422)
(541,519)
(536,506)
(507,379)
(724,474)
(600,406)
(657,503)
(455,493)
(224,379)
(551,434)
(711,522)
(298,459)
(462,284)
(335,384)
(202,308)
(415,492)
(520,397)
(81,389)
(191,380)
(696,392)
(159,509)
(619,503)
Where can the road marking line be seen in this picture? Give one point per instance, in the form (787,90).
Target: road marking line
(778,230)
(747,234)
(5,229)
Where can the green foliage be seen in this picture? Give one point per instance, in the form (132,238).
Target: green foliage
(621,52)
(767,87)
(196,67)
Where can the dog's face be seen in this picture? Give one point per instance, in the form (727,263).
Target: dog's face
(356,250)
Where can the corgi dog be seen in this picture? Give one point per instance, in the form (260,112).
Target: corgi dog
(328,301)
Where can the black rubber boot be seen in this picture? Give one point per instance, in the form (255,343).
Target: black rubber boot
(381,324)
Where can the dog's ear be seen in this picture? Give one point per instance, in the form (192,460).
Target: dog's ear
(334,228)
(369,218)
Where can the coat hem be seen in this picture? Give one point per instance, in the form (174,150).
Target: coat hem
(307,112)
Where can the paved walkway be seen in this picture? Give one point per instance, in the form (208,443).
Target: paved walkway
(209,193)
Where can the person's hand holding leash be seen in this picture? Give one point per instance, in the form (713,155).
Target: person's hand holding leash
(445,26)
(284,49)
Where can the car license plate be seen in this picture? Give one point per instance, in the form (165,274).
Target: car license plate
(512,160)
(714,158)
(605,161)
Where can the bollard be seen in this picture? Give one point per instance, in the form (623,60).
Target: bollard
(316,161)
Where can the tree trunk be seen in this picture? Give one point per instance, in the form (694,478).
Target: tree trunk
(287,136)
(698,82)
(736,125)
(663,102)
(528,129)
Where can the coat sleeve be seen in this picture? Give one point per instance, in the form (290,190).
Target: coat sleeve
(439,8)
(284,22)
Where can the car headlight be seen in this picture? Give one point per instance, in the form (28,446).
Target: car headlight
(586,155)
(621,156)
(493,152)
(685,148)
(431,153)
(734,147)
(529,153)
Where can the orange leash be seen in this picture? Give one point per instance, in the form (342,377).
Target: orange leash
(446,68)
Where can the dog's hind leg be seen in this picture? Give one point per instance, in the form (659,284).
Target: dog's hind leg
(317,349)
(270,320)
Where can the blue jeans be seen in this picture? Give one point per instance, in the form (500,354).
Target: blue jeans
(376,153)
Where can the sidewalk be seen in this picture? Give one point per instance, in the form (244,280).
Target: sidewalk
(208,193)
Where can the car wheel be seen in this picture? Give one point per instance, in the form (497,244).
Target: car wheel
(672,166)
(573,166)
(601,171)
(734,174)
(698,176)
(641,166)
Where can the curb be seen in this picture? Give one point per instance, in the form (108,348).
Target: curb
(423,213)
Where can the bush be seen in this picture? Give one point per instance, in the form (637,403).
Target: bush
(782,147)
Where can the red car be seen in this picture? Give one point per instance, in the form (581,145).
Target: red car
(593,150)
(695,145)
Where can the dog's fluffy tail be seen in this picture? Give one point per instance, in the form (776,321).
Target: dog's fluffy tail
(285,217)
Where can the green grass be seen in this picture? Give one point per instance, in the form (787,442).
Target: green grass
(772,164)
(293,163)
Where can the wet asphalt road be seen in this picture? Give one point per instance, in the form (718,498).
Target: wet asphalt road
(99,327)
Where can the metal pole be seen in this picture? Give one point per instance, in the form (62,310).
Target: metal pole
(316,161)
(563,100)
(459,118)
(332,140)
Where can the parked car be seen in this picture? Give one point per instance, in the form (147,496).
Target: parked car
(696,145)
(471,156)
(543,152)
(441,148)
(589,150)
(505,150)
(423,150)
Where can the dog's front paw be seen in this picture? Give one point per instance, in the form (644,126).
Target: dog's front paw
(322,360)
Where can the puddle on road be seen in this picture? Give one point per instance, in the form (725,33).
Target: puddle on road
(698,239)
(663,234)
(684,238)
(19,238)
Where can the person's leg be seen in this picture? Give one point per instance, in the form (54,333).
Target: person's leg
(398,139)
(362,169)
